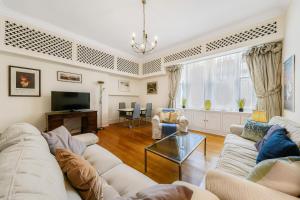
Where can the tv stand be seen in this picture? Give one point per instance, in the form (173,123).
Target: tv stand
(88,120)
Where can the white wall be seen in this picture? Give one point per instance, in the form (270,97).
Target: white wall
(291,47)
(115,96)
(160,99)
(33,109)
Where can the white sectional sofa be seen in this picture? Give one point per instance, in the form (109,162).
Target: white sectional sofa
(28,171)
(237,160)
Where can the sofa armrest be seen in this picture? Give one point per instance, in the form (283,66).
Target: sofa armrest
(87,138)
(230,187)
(198,193)
(155,120)
(237,129)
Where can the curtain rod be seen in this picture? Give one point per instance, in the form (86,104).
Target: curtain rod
(215,56)
(239,50)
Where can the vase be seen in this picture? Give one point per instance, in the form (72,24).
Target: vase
(241,109)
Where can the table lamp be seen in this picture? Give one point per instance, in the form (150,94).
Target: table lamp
(259,116)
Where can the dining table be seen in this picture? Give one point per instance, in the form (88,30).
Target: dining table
(130,110)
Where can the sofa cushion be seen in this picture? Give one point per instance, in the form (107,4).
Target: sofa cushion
(255,131)
(278,145)
(100,158)
(71,192)
(61,138)
(238,156)
(126,180)
(280,174)
(293,128)
(28,169)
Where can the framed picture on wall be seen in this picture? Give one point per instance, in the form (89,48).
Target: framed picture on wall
(152,88)
(24,82)
(124,86)
(289,84)
(69,77)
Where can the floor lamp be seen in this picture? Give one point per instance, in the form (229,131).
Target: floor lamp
(101,83)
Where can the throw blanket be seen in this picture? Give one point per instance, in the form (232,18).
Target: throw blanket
(168,129)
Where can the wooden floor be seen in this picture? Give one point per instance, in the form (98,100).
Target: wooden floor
(128,145)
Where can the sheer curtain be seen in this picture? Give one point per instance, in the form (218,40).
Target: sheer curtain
(223,80)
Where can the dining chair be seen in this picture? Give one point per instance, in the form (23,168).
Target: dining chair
(136,115)
(122,114)
(148,114)
(133,104)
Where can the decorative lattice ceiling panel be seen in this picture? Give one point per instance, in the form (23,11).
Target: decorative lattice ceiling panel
(22,37)
(127,66)
(250,34)
(152,66)
(95,57)
(183,54)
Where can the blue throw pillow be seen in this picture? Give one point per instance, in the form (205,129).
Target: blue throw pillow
(278,145)
(270,132)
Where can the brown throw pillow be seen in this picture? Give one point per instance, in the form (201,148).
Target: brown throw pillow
(173,117)
(162,192)
(61,138)
(82,176)
(164,117)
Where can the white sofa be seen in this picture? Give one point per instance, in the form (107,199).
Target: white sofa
(28,171)
(237,159)
(181,124)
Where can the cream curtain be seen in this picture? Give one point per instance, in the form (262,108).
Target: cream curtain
(265,67)
(174,74)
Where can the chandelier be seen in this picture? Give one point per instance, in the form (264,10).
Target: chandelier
(145,46)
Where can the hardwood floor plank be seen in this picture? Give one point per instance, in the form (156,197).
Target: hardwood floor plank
(128,145)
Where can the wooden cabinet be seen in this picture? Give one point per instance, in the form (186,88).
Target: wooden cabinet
(229,119)
(198,119)
(213,121)
(88,120)
(216,122)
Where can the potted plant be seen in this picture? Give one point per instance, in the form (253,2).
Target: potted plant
(184,103)
(241,104)
(207,104)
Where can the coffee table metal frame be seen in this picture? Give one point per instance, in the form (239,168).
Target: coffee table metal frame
(179,163)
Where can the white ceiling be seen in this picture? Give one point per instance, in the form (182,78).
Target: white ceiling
(111,22)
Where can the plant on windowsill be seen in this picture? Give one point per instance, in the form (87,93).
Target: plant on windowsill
(241,104)
(207,104)
(184,103)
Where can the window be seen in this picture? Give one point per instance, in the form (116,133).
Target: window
(223,80)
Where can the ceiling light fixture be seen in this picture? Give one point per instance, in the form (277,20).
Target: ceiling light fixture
(145,46)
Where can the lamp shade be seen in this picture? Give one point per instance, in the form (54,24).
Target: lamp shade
(259,116)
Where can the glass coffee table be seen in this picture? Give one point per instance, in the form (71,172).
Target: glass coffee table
(176,148)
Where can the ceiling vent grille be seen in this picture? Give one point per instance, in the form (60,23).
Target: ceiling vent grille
(30,39)
(94,57)
(183,54)
(152,66)
(124,65)
(244,36)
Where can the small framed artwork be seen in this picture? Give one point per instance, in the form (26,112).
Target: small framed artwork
(124,86)
(152,88)
(69,77)
(24,82)
(289,84)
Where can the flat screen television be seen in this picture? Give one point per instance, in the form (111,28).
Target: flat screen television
(69,101)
